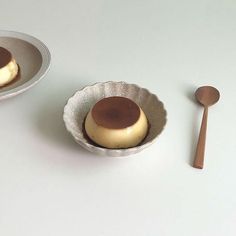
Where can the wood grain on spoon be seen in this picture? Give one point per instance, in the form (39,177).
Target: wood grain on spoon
(206,96)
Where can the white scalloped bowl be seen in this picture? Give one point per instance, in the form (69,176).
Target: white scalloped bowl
(80,103)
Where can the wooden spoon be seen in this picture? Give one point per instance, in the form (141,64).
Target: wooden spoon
(206,96)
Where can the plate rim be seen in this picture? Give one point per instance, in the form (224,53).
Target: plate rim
(46,62)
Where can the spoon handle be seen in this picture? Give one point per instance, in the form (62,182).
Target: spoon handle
(199,158)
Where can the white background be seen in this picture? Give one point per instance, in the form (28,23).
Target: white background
(51,186)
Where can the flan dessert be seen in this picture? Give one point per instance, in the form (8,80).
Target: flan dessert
(116,122)
(8,67)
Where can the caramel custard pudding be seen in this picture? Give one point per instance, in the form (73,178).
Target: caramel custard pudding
(116,122)
(8,67)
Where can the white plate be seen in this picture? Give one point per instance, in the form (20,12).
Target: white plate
(32,56)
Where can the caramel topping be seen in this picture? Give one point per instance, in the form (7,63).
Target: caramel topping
(5,57)
(115,112)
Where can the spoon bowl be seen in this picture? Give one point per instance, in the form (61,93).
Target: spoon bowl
(207,95)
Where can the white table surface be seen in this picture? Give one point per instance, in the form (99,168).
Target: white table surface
(51,186)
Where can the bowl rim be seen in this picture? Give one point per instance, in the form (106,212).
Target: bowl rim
(103,149)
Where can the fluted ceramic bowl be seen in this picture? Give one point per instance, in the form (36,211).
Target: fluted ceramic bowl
(83,100)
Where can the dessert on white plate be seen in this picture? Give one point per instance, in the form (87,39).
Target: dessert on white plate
(116,122)
(8,67)
(32,58)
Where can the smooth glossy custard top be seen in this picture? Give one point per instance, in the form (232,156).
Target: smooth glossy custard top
(115,112)
(5,57)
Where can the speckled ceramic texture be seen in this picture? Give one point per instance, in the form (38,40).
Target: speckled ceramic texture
(32,56)
(79,105)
